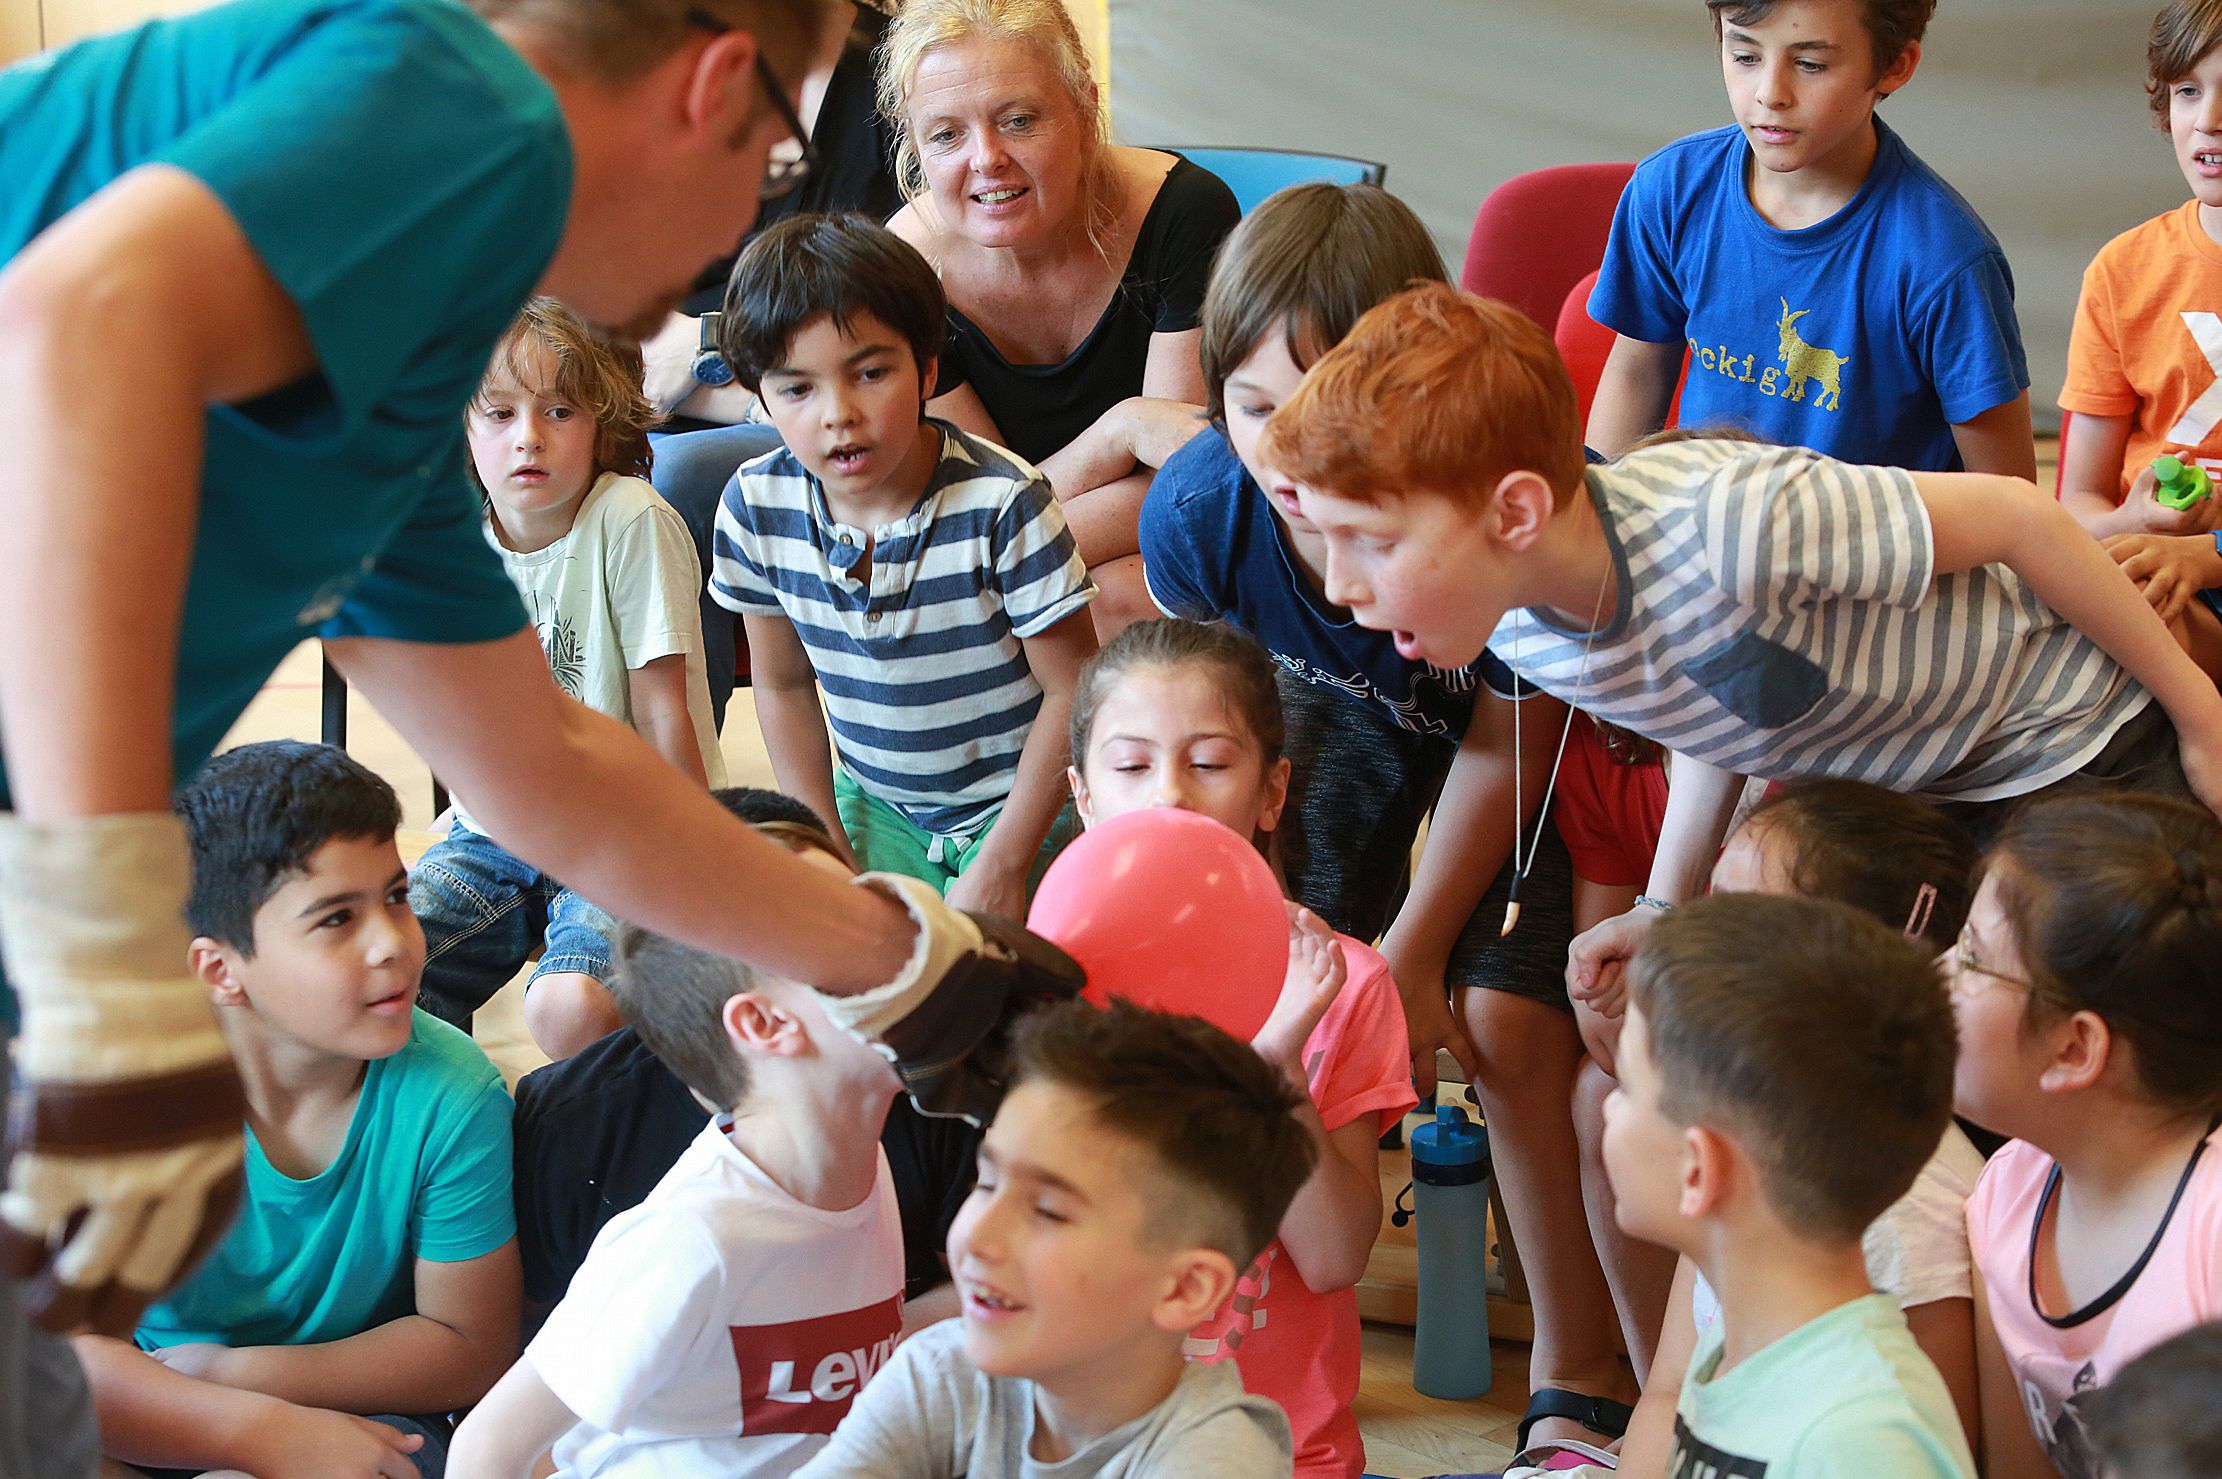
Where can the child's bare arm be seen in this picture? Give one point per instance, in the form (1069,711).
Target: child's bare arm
(1978,520)
(1649,1445)
(1999,440)
(464,1333)
(507,1434)
(786,692)
(657,694)
(996,880)
(2091,473)
(1701,799)
(2008,1449)
(1945,1331)
(1467,844)
(153,1415)
(1633,394)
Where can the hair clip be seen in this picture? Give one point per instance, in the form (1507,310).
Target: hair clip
(1924,904)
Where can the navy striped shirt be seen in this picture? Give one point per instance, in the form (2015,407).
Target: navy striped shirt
(1780,615)
(926,686)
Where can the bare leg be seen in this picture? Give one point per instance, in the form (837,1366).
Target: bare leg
(1122,597)
(566,1011)
(1638,1272)
(1530,1053)
(1106,522)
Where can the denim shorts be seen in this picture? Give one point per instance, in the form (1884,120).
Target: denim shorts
(484,912)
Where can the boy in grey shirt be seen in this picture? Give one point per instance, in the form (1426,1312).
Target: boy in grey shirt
(1140,1162)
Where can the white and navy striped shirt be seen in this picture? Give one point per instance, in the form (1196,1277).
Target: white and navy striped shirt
(1780,615)
(925,682)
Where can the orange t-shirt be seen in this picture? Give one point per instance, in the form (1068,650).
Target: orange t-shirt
(2147,342)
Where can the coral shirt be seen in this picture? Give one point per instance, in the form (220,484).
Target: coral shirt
(1290,1344)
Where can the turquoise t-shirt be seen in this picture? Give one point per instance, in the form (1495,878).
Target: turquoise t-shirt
(405,177)
(424,1173)
(1846,1396)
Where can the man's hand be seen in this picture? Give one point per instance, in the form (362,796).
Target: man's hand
(2169,568)
(125,1119)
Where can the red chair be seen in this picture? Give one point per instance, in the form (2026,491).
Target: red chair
(1538,233)
(1584,344)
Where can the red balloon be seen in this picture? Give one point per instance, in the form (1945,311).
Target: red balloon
(1170,910)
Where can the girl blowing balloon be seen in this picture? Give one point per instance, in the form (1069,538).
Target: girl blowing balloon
(1178,714)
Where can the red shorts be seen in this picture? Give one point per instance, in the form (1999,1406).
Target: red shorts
(1609,813)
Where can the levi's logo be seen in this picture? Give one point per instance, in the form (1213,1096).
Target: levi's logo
(800,1377)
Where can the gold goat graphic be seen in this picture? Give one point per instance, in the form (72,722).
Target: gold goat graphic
(1810,362)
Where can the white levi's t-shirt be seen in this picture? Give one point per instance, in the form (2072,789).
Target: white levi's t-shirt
(722,1326)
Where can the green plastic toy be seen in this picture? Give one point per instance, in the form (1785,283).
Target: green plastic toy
(2178,483)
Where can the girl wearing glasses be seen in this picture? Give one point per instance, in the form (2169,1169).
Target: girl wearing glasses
(2088,990)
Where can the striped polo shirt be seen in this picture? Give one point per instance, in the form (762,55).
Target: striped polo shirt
(926,685)
(1779,615)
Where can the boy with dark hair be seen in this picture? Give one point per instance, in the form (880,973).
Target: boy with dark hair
(1830,289)
(1758,610)
(725,1323)
(922,578)
(2157,1419)
(372,1268)
(597,1131)
(1139,1162)
(1785,1071)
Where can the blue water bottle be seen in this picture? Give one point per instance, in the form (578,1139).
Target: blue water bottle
(1450,1200)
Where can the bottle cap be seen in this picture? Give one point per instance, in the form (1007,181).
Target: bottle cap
(1452,1140)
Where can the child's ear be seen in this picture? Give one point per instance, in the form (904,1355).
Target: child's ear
(756,1024)
(1080,801)
(1711,1166)
(1899,72)
(214,966)
(1200,1281)
(1519,509)
(1275,797)
(2082,1047)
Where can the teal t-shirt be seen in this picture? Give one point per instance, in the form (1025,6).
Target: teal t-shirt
(424,1173)
(1845,1396)
(405,176)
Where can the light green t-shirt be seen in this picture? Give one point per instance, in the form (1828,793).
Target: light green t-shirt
(1845,1396)
(424,1173)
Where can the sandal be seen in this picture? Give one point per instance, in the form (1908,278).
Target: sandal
(1558,1456)
(1598,1414)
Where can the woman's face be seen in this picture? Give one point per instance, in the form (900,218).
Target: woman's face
(1001,141)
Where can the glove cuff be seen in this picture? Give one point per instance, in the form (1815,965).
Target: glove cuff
(945,936)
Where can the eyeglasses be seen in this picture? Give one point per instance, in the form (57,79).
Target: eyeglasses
(1961,966)
(792,160)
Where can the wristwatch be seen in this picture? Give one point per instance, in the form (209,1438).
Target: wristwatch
(709,365)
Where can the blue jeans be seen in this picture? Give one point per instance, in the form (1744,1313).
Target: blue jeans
(483,912)
(691,471)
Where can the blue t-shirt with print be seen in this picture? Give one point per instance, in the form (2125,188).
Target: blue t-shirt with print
(1214,550)
(1864,337)
(404,176)
(424,1173)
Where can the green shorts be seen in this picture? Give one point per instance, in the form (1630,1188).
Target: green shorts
(886,841)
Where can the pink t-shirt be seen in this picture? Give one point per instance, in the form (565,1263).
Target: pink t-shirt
(2180,1286)
(1294,1346)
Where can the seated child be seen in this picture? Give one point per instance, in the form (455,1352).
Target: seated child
(559,444)
(597,1131)
(1172,713)
(372,1268)
(2088,989)
(2158,1418)
(1765,610)
(921,578)
(1786,1068)
(1902,862)
(1138,1162)
(1378,738)
(1829,289)
(2142,354)
(723,1325)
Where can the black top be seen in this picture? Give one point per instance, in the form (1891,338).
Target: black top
(596,1132)
(856,153)
(1041,408)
